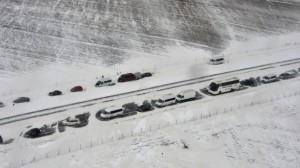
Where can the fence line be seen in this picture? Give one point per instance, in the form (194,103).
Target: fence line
(151,128)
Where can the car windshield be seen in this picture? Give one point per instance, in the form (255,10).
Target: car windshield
(213,86)
(179,96)
(265,77)
(105,113)
(160,101)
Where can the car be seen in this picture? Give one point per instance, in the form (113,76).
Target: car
(269,78)
(34,132)
(1,104)
(146,74)
(248,82)
(216,60)
(186,95)
(77,89)
(126,77)
(21,100)
(113,111)
(144,107)
(288,74)
(138,75)
(71,122)
(55,93)
(104,82)
(165,100)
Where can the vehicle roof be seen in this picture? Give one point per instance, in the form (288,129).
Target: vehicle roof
(290,72)
(189,90)
(226,80)
(270,75)
(23,98)
(112,108)
(217,57)
(73,119)
(167,96)
(104,79)
(126,74)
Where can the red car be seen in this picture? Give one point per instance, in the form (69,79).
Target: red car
(126,77)
(77,89)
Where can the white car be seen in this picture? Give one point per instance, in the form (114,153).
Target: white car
(71,122)
(269,78)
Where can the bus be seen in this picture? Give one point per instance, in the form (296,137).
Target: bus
(223,86)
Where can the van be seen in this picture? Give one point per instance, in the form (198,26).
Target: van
(186,95)
(112,111)
(216,60)
(166,100)
(269,78)
(104,82)
(77,89)
(126,77)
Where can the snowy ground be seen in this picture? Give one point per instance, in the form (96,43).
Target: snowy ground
(37,85)
(53,44)
(255,127)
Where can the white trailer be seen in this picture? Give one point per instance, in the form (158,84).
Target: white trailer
(186,95)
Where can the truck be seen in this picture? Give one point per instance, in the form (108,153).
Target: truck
(186,95)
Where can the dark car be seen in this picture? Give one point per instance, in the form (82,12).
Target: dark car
(249,82)
(288,75)
(144,107)
(1,104)
(34,132)
(22,100)
(55,93)
(147,74)
(77,89)
(126,77)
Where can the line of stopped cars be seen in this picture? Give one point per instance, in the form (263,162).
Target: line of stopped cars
(104,81)
(136,76)
(214,88)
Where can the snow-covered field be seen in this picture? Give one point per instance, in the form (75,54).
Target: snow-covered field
(56,44)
